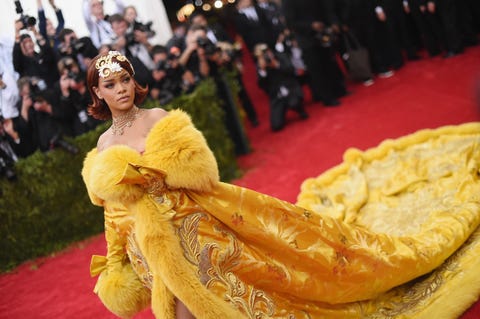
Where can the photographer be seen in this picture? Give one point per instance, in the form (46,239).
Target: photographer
(204,59)
(170,79)
(274,14)
(288,45)
(28,62)
(276,75)
(42,116)
(135,46)
(9,94)
(230,59)
(97,21)
(47,30)
(74,98)
(253,25)
(137,32)
(81,50)
(199,54)
(18,128)
(315,26)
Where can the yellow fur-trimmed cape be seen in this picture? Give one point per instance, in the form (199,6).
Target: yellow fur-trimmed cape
(176,152)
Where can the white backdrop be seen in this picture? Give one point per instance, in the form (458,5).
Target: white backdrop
(148,10)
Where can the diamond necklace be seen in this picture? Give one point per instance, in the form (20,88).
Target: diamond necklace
(119,123)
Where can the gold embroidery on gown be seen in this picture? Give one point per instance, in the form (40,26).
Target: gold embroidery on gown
(215,268)
(385,234)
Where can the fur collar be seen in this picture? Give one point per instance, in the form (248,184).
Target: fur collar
(173,146)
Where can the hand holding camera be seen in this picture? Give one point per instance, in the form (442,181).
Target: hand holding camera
(27,21)
(326,38)
(265,57)
(65,84)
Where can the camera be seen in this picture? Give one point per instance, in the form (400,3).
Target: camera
(166,65)
(57,141)
(27,21)
(266,56)
(7,156)
(130,38)
(6,166)
(38,89)
(163,65)
(144,27)
(77,45)
(77,77)
(262,51)
(205,43)
(138,26)
(233,54)
(326,38)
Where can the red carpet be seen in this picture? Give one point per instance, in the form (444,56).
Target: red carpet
(424,94)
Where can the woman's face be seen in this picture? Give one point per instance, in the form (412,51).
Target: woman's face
(118,91)
(130,14)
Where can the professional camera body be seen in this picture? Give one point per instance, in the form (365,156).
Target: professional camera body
(58,142)
(7,156)
(27,21)
(209,47)
(231,52)
(6,166)
(263,51)
(171,85)
(77,77)
(326,38)
(77,45)
(138,26)
(169,65)
(38,89)
(266,56)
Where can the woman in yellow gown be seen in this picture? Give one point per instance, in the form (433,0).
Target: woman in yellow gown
(386,234)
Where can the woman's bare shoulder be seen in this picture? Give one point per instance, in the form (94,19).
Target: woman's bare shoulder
(102,142)
(155,115)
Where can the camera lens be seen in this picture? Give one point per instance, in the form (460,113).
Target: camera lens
(31,21)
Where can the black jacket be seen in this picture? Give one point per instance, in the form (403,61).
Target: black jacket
(300,14)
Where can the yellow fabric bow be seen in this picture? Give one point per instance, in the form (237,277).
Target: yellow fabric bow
(148,177)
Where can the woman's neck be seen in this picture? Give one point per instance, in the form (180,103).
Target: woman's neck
(123,120)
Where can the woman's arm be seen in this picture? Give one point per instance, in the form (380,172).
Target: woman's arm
(181,311)
(87,16)
(118,286)
(42,20)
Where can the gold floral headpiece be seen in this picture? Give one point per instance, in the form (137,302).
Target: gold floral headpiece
(106,66)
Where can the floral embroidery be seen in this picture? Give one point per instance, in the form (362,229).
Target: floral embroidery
(216,266)
(138,261)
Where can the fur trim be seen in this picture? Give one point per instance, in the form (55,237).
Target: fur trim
(163,301)
(173,146)
(122,292)
(160,246)
(86,171)
(182,152)
(108,171)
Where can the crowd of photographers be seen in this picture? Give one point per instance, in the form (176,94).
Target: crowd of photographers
(44,94)
(310,42)
(293,43)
